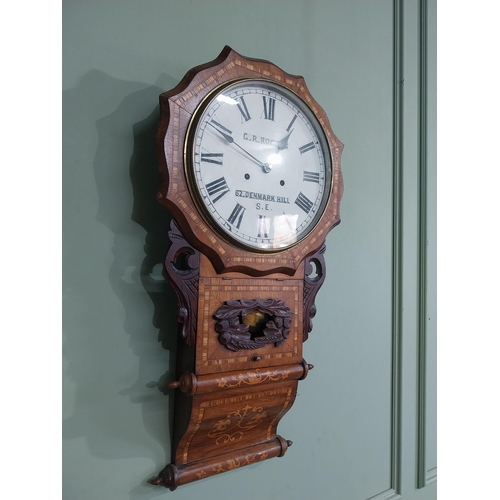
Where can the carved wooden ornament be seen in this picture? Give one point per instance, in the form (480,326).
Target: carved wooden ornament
(250,169)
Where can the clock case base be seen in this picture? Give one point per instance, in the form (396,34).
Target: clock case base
(220,428)
(173,476)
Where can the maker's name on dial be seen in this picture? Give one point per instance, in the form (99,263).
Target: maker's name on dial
(261,196)
(260,139)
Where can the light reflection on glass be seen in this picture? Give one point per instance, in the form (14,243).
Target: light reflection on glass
(284,227)
(226,99)
(275,159)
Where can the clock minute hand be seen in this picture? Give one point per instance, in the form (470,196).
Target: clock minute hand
(228,137)
(283,144)
(266,167)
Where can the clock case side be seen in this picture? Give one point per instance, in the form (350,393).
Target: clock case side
(177,107)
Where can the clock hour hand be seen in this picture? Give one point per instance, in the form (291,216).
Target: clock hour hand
(283,144)
(265,166)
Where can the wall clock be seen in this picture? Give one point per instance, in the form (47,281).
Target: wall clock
(250,169)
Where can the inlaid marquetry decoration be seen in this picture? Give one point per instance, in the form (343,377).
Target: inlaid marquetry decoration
(249,168)
(236,423)
(252,378)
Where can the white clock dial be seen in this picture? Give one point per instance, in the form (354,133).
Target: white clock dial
(259,164)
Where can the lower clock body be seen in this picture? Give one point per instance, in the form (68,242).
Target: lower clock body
(229,420)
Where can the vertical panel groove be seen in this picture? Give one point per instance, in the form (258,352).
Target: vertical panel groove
(397,249)
(422,238)
(423,478)
(394,490)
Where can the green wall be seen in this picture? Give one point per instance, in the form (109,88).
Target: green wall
(119,329)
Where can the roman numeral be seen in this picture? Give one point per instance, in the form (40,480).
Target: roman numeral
(263,228)
(212,158)
(236,215)
(291,123)
(269,103)
(306,147)
(219,186)
(304,202)
(311,176)
(288,222)
(242,106)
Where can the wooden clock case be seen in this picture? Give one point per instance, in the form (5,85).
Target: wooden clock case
(237,374)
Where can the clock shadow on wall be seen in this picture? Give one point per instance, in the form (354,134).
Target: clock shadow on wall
(155,220)
(127,185)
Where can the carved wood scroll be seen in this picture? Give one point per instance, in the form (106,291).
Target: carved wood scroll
(250,324)
(182,265)
(315,273)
